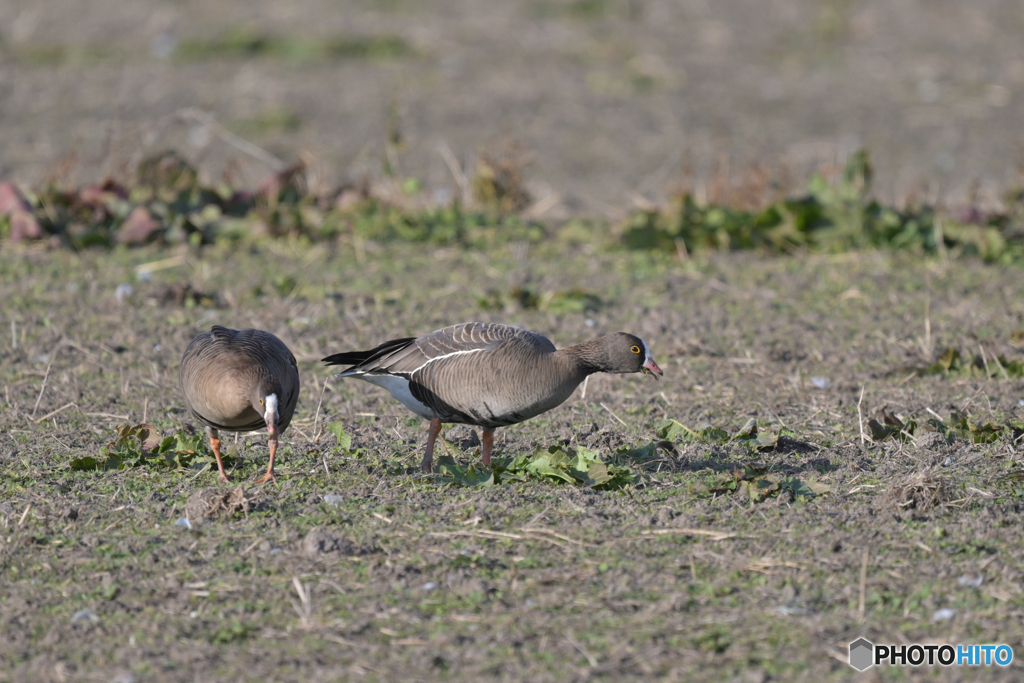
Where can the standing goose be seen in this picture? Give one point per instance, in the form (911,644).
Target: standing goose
(240,381)
(488,375)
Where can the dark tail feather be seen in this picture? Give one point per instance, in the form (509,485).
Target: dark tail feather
(360,357)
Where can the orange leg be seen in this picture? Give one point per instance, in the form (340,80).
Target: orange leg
(215,445)
(269,476)
(428,459)
(487,446)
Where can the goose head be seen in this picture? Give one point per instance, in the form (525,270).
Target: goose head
(623,353)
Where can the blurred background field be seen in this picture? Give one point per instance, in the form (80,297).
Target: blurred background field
(609,103)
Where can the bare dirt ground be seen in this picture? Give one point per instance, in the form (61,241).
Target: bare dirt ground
(357,567)
(610,100)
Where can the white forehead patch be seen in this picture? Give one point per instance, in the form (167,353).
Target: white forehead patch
(271,411)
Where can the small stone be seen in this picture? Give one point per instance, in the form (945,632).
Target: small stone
(944,614)
(318,541)
(183,522)
(931,440)
(791,610)
(333,499)
(85,615)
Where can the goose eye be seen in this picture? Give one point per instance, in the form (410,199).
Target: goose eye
(634,349)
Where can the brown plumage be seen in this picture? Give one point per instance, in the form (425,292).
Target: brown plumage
(240,381)
(487,374)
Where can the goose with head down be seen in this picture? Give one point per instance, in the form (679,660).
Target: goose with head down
(488,375)
(240,381)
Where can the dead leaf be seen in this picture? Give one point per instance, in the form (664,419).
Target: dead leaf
(138,227)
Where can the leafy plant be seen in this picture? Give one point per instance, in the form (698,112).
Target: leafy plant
(830,217)
(757,483)
(167,203)
(141,445)
(891,427)
(960,425)
(579,465)
(749,434)
(953,363)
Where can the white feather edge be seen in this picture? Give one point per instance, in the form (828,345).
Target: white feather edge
(359,372)
(398,385)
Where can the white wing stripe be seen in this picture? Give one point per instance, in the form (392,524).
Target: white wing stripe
(355,372)
(441,357)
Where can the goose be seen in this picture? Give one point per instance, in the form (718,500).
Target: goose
(240,381)
(487,374)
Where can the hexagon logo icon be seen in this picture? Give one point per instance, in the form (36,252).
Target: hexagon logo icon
(862,654)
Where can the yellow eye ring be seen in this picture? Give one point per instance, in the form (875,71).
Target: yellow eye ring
(261,402)
(634,349)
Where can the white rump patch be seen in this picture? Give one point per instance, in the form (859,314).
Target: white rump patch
(398,387)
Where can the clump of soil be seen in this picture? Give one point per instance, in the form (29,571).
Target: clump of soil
(321,542)
(184,294)
(213,503)
(463,436)
(920,491)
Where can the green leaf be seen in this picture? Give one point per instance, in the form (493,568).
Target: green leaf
(453,473)
(818,488)
(85,464)
(640,453)
(597,475)
(554,464)
(755,438)
(139,445)
(670,430)
(338,429)
(757,483)
(797,487)
(585,455)
(894,428)
(747,431)
(572,466)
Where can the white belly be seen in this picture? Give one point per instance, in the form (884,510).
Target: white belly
(398,387)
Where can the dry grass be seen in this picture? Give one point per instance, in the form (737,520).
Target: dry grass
(920,491)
